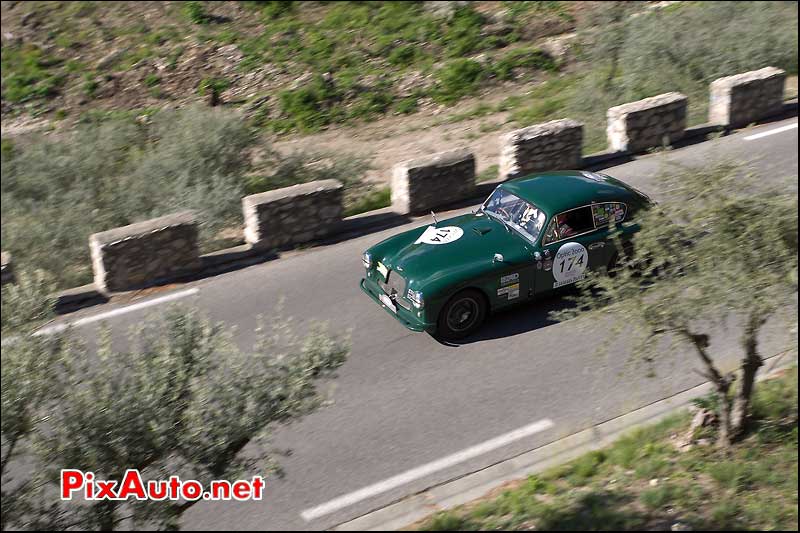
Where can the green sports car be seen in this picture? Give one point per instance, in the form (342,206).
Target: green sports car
(532,235)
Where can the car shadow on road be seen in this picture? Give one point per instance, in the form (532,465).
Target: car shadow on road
(519,319)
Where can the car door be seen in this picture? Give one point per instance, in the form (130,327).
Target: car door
(571,245)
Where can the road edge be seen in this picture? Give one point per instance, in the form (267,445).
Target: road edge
(472,486)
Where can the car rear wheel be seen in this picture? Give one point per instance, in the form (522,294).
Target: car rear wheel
(462,315)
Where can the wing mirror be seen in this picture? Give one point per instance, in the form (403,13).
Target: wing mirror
(498,258)
(537,256)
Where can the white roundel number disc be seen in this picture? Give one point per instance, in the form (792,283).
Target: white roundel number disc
(433,235)
(570,264)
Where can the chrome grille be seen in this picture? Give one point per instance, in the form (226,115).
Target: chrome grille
(396,284)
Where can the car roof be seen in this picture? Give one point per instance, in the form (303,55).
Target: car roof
(559,191)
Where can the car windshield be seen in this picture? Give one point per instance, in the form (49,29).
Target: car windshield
(520,215)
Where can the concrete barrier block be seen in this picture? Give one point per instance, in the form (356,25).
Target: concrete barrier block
(739,100)
(648,123)
(292,215)
(145,253)
(421,184)
(554,145)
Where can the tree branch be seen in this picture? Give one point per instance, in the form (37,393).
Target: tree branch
(10,451)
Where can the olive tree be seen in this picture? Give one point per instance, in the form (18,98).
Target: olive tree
(180,399)
(719,248)
(27,386)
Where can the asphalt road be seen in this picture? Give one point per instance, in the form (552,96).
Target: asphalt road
(404,400)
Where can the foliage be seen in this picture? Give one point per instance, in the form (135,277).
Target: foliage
(490,173)
(522,58)
(196,12)
(28,302)
(28,74)
(369,201)
(276,9)
(122,170)
(682,49)
(462,35)
(151,80)
(459,78)
(310,107)
(711,40)
(302,167)
(685,275)
(618,57)
(181,399)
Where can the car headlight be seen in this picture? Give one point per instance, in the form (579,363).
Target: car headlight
(367,259)
(416,298)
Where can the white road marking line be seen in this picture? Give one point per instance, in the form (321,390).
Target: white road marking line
(116,312)
(424,470)
(770,132)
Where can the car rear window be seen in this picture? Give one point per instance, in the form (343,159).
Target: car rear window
(607,212)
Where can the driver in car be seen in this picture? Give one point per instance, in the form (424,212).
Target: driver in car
(564,229)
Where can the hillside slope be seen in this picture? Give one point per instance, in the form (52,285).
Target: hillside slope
(294,66)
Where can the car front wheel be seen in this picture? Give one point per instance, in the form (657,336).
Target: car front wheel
(462,315)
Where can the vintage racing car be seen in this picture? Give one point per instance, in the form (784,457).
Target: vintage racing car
(532,235)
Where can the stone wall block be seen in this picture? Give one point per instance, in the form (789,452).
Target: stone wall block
(292,215)
(739,100)
(145,253)
(421,184)
(648,123)
(554,145)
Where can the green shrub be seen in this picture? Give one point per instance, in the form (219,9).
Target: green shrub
(686,48)
(403,55)
(777,399)
(523,58)
(658,497)
(151,80)
(90,85)
(29,73)
(310,107)
(585,467)
(462,34)
(7,150)
(406,106)
(459,78)
(445,521)
(212,86)
(196,12)
(119,172)
(31,296)
(302,167)
(729,474)
(490,173)
(372,200)
(276,9)
(724,514)
(371,102)
(540,111)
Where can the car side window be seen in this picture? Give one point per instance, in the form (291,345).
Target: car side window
(569,223)
(574,222)
(605,213)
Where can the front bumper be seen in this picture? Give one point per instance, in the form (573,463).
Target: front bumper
(404,316)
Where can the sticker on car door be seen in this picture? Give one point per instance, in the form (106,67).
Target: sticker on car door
(570,264)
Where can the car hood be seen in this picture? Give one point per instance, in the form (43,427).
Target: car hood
(467,245)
